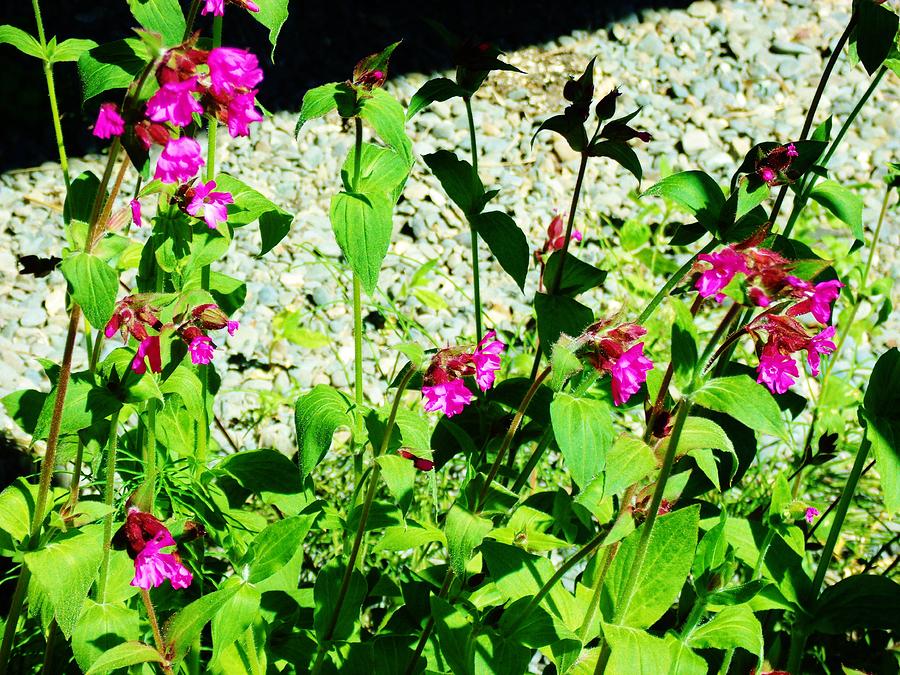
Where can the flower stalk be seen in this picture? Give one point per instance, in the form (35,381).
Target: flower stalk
(476,282)
(51,93)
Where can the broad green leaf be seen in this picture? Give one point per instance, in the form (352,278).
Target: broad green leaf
(269,474)
(22,41)
(124,655)
(453,627)
(381,170)
(17,502)
(400,476)
(79,553)
(862,601)
(328,583)
(559,315)
(659,580)
(695,191)
(70,50)
(234,617)
(184,382)
(317,415)
(569,127)
(24,407)
(188,623)
(698,437)
(275,546)
(272,14)
(880,410)
(386,116)
(161,16)
(740,203)
(113,65)
(100,628)
(583,430)
(636,652)
(464,531)
(684,344)
(458,179)
(621,153)
(578,276)
(744,400)
(412,535)
(362,225)
(843,203)
(506,241)
(628,461)
(320,101)
(876,32)
(732,627)
(736,595)
(249,205)
(93,284)
(86,404)
(438,89)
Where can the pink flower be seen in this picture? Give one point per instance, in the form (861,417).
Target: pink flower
(818,345)
(136,212)
(214,7)
(724,265)
(768,176)
(759,298)
(487,360)
(232,327)
(241,112)
(212,204)
(180,160)
(792,150)
(146,538)
(811,514)
(447,397)
(817,299)
(201,349)
(628,373)
(174,102)
(232,71)
(776,370)
(109,122)
(148,348)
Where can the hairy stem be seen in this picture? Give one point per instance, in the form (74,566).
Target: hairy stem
(359,396)
(109,491)
(154,625)
(476,282)
(51,93)
(150,470)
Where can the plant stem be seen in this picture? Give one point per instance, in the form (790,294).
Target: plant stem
(12,619)
(191,17)
(154,624)
(800,632)
(814,104)
(624,600)
(507,439)
(109,491)
(322,647)
(150,454)
(598,591)
(476,283)
(359,396)
(51,92)
(673,281)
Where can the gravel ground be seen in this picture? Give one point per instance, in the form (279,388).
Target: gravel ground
(712,79)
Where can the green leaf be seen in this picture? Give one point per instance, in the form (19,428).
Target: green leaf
(876,31)
(111,66)
(70,50)
(79,204)
(188,623)
(93,285)
(86,404)
(234,617)
(684,344)
(670,553)
(22,41)
(695,191)
(387,118)
(400,476)
(506,241)
(161,16)
(411,535)
(578,276)
(558,315)
(454,631)
(465,531)
(538,628)
(325,594)
(698,434)
(100,628)
(317,415)
(274,547)
(272,14)
(881,410)
(628,461)
(24,407)
(732,627)
(621,153)
(639,653)
(584,432)
(381,170)
(843,203)
(249,205)
(124,655)
(79,553)
(737,595)
(865,601)
(458,179)
(744,400)
(362,225)
(17,503)
(439,89)
(184,382)
(320,101)
(269,474)
(569,127)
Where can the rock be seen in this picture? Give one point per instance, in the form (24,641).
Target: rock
(694,141)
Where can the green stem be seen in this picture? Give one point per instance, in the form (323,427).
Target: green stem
(801,632)
(150,455)
(476,283)
(51,92)
(154,625)
(12,619)
(594,604)
(672,282)
(359,395)
(191,17)
(322,647)
(109,491)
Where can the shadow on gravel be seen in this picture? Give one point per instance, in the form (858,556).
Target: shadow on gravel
(319,43)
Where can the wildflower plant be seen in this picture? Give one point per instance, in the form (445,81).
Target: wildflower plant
(586,470)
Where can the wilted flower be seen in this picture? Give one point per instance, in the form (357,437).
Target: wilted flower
(147,537)
(617,351)
(819,345)
(772,168)
(109,122)
(148,133)
(132,316)
(420,463)
(240,113)
(209,205)
(180,161)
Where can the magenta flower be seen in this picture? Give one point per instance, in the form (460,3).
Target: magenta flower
(818,345)
(136,212)
(629,371)
(214,7)
(759,298)
(180,160)
(201,349)
(146,538)
(241,112)
(817,299)
(724,265)
(232,71)
(487,360)
(792,150)
(212,204)
(776,370)
(109,122)
(768,176)
(149,349)
(447,397)
(174,102)
(232,327)
(811,514)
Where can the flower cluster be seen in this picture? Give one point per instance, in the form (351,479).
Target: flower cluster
(556,239)
(444,388)
(147,537)
(616,351)
(786,336)
(772,168)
